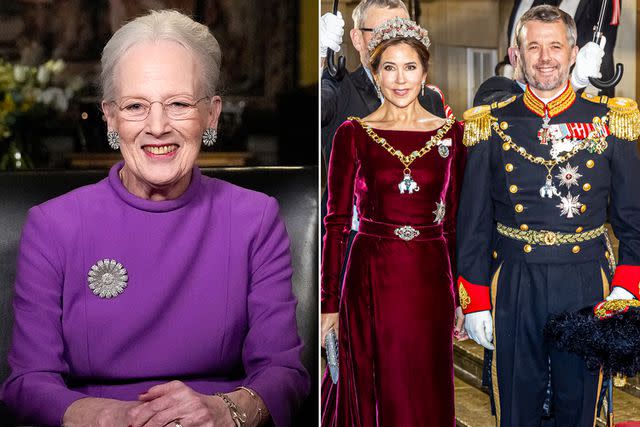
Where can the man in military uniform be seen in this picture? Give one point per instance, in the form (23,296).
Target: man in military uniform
(543,167)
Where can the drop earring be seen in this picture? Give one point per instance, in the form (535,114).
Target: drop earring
(378,91)
(113,138)
(422,90)
(209,137)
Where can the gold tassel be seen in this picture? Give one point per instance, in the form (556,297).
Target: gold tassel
(477,125)
(624,118)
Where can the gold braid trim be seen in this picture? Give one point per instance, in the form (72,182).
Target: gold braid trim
(465,299)
(548,238)
(615,306)
(624,118)
(477,126)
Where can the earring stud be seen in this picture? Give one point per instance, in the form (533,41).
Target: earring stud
(113,138)
(209,137)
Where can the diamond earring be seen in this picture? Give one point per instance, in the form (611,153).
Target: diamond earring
(113,137)
(209,137)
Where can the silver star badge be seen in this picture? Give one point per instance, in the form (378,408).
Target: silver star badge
(568,176)
(107,278)
(569,205)
(439,212)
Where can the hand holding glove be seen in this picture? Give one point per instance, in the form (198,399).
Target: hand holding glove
(588,63)
(479,326)
(331,31)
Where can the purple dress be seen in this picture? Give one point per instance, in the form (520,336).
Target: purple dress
(208,299)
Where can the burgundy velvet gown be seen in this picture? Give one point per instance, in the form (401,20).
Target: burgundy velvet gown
(397,302)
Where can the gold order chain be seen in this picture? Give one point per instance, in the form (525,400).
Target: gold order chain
(600,146)
(407,159)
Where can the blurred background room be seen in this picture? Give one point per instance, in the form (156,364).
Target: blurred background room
(49,62)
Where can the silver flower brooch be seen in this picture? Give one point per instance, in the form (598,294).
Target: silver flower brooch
(107,278)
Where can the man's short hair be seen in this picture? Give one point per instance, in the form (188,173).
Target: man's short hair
(549,14)
(360,12)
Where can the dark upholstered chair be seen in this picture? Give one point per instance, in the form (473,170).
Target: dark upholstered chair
(295,188)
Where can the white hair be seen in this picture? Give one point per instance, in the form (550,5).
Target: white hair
(163,25)
(360,12)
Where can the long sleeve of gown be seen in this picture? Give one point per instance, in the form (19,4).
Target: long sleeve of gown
(36,385)
(453,195)
(271,351)
(340,183)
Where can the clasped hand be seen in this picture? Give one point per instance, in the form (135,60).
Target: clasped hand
(158,407)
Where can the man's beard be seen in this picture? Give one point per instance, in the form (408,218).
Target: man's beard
(552,84)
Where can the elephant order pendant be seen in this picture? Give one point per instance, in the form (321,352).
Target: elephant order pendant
(408,185)
(548,190)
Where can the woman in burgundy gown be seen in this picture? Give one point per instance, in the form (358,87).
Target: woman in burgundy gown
(394,313)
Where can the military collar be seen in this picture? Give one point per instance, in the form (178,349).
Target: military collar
(556,106)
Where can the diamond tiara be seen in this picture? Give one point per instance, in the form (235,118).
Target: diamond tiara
(398,27)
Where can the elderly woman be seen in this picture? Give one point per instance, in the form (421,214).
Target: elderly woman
(157,296)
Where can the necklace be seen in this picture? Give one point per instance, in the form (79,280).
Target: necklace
(408,184)
(595,143)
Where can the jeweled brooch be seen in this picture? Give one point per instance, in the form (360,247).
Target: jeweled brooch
(107,278)
(406,232)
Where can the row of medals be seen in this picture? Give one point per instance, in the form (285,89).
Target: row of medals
(569,204)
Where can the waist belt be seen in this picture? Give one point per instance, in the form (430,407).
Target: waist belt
(397,231)
(548,238)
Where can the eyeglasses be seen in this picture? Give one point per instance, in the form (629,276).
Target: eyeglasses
(176,108)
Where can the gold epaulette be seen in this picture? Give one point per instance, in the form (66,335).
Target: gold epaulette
(477,126)
(624,118)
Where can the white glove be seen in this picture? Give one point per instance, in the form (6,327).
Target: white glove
(479,326)
(620,293)
(588,63)
(331,31)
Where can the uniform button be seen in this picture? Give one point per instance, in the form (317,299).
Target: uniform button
(527,248)
(513,189)
(586,187)
(575,249)
(590,163)
(519,208)
(583,208)
(579,229)
(508,167)
(506,146)
(504,125)
(606,254)
(495,255)
(524,227)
